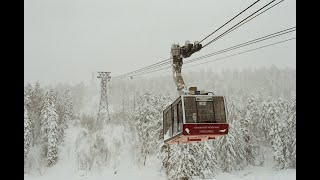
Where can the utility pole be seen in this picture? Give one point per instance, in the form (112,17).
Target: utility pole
(103,107)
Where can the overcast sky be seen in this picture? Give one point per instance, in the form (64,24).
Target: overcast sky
(67,40)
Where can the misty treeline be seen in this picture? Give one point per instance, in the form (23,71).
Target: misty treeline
(47,112)
(267,81)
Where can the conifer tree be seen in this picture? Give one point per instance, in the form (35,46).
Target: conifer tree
(27,135)
(49,129)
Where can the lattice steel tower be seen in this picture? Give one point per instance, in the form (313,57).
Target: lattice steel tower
(103,107)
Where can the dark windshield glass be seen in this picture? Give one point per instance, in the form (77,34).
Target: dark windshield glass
(204,111)
(190,109)
(220,114)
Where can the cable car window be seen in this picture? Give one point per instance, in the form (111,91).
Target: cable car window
(169,124)
(220,116)
(175,119)
(165,126)
(190,109)
(205,111)
(180,117)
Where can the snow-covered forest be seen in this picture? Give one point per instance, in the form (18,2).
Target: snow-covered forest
(61,132)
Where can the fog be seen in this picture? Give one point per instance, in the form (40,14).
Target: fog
(67,40)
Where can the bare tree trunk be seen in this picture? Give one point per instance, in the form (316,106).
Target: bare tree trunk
(145,158)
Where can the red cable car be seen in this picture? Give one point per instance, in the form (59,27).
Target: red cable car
(194,116)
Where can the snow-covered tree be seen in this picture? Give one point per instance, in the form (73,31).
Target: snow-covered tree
(68,109)
(207,160)
(58,102)
(82,148)
(189,160)
(182,162)
(45,115)
(64,109)
(277,129)
(99,150)
(291,129)
(53,134)
(163,155)
(249,125)
(36,99)
(277,143)
(267,118)
(27,135)
(27,94)
(49,129)
(148,123)
(94,151)
(231,148)
(281,134)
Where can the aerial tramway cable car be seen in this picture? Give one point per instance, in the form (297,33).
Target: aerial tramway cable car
(195,116)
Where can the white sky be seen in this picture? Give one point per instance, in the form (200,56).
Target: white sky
(67,40)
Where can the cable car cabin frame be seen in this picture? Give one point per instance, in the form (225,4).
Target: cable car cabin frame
(195,118)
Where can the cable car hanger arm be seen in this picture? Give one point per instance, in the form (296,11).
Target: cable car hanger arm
(177,54)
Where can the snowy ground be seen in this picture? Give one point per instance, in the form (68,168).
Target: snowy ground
(126,168)
(147,173)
